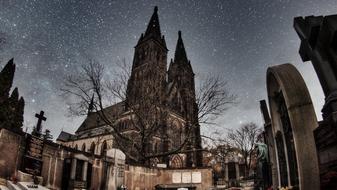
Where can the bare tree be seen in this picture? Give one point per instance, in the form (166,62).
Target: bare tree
(244,138)
(213,98)
(143,118)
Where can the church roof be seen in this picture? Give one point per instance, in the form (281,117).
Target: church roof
(64,136)
(93,121)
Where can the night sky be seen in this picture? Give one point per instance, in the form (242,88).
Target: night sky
(238,39)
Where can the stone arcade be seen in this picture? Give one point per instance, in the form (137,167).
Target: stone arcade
(291,142)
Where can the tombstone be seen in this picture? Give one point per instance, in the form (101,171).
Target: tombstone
(294,158)
(318,36)
(32,160)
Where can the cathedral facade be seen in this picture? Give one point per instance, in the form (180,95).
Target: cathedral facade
(151,87)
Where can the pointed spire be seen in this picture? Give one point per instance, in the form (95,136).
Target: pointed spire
(91,105)
(180,53)
(153,29)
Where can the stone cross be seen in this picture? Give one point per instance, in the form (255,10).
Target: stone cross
(318,36)
(41,118)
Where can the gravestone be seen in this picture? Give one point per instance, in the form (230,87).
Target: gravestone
(293,120)
(32,160)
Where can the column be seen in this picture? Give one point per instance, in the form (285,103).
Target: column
(226,171)
(73,169)
(237,171)
(85,171)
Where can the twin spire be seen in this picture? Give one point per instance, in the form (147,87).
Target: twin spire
(180,53)
(153,28)
(153,31)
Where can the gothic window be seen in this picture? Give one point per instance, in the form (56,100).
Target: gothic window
(158,56)
(83,147)
(156,147)
(176,162)
(288,137)
(282,163)
(92,148)
(103,148)
(76,147)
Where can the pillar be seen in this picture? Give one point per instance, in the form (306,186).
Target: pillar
(237,171)
(226,171)
(85,171)
(73,169)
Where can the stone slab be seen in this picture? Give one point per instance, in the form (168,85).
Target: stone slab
(12,186)
(30,186)
(176,177)
(2,187)
(186,177)
(196,177)
(25,177)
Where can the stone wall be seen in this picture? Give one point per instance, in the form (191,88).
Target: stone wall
(142,178)
(11,149)
(53,159)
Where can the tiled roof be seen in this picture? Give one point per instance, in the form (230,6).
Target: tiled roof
(93,120)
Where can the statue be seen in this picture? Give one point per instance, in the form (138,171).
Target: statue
(262,152)
(262,173)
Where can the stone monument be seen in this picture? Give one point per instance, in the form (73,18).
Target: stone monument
(318,36)
(32,160)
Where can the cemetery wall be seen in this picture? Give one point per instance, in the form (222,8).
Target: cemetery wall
(139,178)
(11,148)
(53,158)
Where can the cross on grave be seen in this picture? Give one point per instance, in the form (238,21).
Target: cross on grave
(41,118)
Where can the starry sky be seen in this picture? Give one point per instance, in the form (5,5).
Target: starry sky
(237,39)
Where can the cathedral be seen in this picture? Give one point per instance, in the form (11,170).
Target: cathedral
(152,86)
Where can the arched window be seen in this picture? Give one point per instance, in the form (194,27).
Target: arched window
(83,147)
(176,162)
(104,148)
(92,148)
(76,147)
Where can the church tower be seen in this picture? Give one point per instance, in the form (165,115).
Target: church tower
(180,72)
(148,75)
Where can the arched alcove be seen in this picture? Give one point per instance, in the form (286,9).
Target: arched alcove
(293,121)
(83,147)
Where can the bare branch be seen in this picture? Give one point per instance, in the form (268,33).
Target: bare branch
(213,98)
